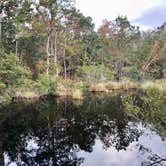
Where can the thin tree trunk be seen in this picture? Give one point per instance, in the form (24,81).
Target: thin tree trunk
(48,55)
(16,47)
(55,54)
(64,59)
(52,47)
(118,69)
(20,57)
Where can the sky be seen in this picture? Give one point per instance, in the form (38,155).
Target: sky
(147,14)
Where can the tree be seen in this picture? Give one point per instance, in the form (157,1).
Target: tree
(52,14)
(76,42)
(151,54)
(116,42)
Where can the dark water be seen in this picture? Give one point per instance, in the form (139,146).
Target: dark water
(102,130)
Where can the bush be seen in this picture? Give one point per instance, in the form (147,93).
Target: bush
(2,86)
(28,89)
(132,73)
(47,84)
(53,85)
(11,71)
(95,74)
(5,98)
(154,87)
(164,73)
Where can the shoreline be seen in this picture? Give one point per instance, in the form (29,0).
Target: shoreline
(77,93)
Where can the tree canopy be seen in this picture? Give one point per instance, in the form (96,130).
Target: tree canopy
(53,38)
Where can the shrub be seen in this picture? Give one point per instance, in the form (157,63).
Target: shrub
(11,71)
(5,98)
(47,84)
(164,73)
(154,87)
(2,86)
(95,74)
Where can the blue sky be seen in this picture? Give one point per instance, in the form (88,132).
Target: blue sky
(148,14)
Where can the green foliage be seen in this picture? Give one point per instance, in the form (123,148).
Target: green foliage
(131,73)
(164,73)
(94,74)
(11,71)
(154,87)
(44,83)
(5,98)
(47,84)
(64,43)
(53,85)
(8,35)
(2,86)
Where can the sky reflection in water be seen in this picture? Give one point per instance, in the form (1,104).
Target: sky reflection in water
(116,130)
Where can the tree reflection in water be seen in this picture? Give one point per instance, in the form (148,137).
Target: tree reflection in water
(153,159)
(52,131)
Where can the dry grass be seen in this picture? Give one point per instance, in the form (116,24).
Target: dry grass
(77,94)
(128,85)
(74,92)
(153,85)
(63,91)
(113,86)
(26,95)
(100,87)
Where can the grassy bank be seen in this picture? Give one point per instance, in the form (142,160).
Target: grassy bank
(146,86)
(76,89)
(154,85)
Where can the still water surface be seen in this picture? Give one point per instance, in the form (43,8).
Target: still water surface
(102,130)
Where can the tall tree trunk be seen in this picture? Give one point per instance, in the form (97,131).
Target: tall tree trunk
(52,46)
(55,54)
(118,69)
(48,55)
(64,59)
(17,48)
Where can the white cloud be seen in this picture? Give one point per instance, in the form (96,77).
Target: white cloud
(110,9)
(152,17)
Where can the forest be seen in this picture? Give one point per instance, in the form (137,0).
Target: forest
(50,47)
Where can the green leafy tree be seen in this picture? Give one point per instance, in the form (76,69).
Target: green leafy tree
(116,44)
(11,71)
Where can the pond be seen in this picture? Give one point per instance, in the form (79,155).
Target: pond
(119,129)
